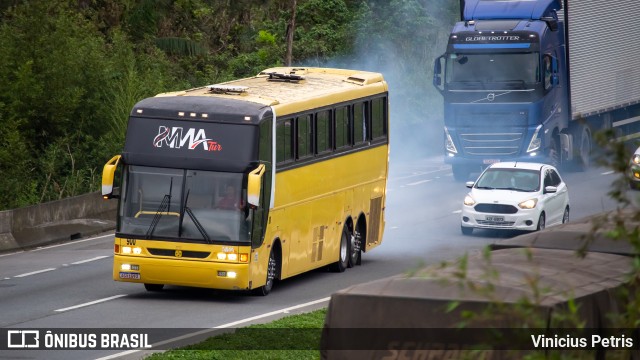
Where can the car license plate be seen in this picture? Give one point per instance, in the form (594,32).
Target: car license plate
(490,161)
(128,275)
(495,218)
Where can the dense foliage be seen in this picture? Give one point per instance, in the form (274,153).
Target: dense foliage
(73,69)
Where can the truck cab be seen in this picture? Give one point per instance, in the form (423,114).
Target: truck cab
(505,97)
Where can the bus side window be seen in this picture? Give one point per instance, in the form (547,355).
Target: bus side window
(323,131)
(378,118)
(304,136)
(343,135)
(359,123)
(284,141)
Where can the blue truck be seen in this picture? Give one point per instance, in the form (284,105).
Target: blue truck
(533,80)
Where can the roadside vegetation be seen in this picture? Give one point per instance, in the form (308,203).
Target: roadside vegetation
(73,69)
(294,337)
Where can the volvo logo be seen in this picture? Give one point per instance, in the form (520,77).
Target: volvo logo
(491,96)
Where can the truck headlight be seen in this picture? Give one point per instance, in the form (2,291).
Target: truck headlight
(448,142)
(535,140)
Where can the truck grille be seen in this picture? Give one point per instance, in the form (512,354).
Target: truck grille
(491,144)
(496,208)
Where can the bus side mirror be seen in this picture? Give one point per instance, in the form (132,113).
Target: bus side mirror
(254,185)
(108,173)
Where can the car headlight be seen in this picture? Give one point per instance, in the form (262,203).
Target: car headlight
(636,159)
(529,204)
(468,200)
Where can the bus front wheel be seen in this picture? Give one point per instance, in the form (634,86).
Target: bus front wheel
(154,287)
(343,253)
(272,267)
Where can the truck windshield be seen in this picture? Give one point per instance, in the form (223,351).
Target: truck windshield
(493,71)
(183,205)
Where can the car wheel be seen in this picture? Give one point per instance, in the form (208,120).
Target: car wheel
(541,222)
(154,287)
(565,216)
(466,230)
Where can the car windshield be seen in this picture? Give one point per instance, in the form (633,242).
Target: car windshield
(509,179)
(180,204)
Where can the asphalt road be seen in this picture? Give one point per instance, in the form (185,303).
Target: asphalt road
(69,285)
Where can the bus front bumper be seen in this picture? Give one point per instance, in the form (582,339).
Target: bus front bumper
(216,275)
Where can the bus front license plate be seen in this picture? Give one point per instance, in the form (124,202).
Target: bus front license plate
(128,275)
(490,161)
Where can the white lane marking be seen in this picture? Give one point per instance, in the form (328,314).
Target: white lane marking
(446,168)
(88,260)
(55,246)
(71,242)
(224,326)
(608,172)
(456,211)
(90,303)
(34,272)
(418,182)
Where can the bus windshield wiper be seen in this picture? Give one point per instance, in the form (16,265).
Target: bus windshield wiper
(186,209)
(164,205)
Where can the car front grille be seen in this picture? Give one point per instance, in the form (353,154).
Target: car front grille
(495,223)
(496,208)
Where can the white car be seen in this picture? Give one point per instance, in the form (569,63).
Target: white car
(515,196)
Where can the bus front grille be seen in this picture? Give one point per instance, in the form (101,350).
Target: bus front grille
(184,253)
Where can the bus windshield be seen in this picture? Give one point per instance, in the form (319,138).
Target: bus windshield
(183,205)
(502,70)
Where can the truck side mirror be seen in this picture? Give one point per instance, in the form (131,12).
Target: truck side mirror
(108,173)
(438,73)
(554,72)
(254,185)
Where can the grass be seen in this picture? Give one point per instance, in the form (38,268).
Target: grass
(289,338)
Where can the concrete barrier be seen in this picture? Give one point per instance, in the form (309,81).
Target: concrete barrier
(56,221)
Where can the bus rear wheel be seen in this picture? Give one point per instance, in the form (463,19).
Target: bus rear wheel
(343,253)
(355,248)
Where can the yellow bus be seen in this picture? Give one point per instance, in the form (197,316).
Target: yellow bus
(237,185)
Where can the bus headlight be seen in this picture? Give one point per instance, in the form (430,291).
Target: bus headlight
(131,250)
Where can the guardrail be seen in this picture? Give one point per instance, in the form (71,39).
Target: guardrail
(56,221)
